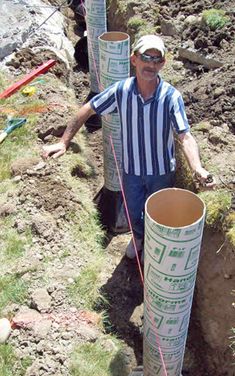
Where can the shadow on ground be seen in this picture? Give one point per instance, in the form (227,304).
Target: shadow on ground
(124,293)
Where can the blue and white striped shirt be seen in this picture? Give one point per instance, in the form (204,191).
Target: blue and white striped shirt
(147,126)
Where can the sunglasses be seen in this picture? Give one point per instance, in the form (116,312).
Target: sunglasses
(147,58)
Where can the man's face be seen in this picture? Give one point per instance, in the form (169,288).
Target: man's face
(147,69)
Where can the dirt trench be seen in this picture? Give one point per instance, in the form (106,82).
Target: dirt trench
(208,350)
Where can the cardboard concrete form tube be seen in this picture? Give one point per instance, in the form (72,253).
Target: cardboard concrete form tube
(174,221)
(96,22)
(114,62)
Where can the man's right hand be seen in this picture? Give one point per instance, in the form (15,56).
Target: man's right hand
(54,150)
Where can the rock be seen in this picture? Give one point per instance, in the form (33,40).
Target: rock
(137,315)
(20,226)
(217,135)
(41,300)
(26,318)
(5,329)
(168,28)
(194,56)
(192,20)
(44,225)
(218,92)
(7,209)
(41,328)
(21,165)
(177,65)
(87,332)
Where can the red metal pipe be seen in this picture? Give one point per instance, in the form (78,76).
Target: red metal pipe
(29,77)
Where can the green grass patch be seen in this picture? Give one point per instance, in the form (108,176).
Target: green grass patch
(18,144)
(217,204)
(12,290)
(85,291)
(10,365)
(89,237)
(102,358)
(215,18)
(136,23)
(231,231)
(12,243)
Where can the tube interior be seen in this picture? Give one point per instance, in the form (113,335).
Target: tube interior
(114,36)
(174,207)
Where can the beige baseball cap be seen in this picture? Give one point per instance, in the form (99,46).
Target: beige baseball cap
(148,42)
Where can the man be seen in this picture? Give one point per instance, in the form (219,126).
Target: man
(151,111)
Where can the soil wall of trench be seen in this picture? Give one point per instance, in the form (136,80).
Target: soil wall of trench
(213,312)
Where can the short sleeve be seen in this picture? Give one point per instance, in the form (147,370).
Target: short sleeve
(178,114)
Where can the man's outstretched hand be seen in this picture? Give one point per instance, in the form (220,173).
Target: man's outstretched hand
(54,150)
(205,179)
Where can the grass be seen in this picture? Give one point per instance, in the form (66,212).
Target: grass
(232,344)
(102,358)
(12,243)
(17,145)
(12,290)
(8,362)
(215,18)
(136,23)
(88,234)
(84,292)
(231,230)
(217,203)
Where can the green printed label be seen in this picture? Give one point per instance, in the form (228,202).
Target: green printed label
(168,304)
(167,324)
(151,369)
(118,66)
(173,233)
(154,247)
(184,322)
(193,257)
(170,284)
(110,48)
(177,252)
(174,355)
(166,342)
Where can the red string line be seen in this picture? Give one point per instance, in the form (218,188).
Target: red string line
(137,256)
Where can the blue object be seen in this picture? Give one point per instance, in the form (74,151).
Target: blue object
(14,123)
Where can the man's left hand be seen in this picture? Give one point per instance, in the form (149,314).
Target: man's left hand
(205,179)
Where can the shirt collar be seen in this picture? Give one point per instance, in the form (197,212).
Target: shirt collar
(156,93)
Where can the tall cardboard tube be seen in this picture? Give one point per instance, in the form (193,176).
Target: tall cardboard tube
(96,22)
(114,62)
(174,221)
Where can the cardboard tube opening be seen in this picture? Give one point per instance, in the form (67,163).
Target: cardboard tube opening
(174,207)
(114,36)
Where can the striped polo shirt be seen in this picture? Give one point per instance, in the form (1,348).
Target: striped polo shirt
(147,127)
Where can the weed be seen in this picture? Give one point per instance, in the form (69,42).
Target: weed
(217,203)
(136,23)
(102,358)
(13,244)
(231,233)
(232,344)
(84,291)
(215,18)
(9,361)
(12,290)
(17,145)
